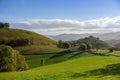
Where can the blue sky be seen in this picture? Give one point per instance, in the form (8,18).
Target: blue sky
(53,17)
(58,9)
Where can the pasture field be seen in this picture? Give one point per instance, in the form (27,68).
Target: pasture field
(71,66)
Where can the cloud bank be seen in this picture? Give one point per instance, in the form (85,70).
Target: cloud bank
(64,26)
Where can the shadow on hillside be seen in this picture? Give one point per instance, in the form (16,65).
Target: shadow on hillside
(77,75)
(95,53)
(102,54)
(113,69)
(76,55)
(61,54)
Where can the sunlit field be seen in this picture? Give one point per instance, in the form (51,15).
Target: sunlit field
(83,66)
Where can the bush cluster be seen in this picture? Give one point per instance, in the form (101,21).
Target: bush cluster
(4,25)
(11,60)
(62,44)
(17,42)
(85,47)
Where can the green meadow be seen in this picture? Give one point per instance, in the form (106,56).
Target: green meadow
(68,66)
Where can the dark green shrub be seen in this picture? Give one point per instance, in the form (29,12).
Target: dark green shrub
(62,44)
(1,25)
(83,47)
(21,64)
(111,50)
(11,60)
(66,45)
(4,25)
(18,42)
(89,46)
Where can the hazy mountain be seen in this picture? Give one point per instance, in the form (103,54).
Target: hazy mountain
(115,42)
(103,36)
(68,37)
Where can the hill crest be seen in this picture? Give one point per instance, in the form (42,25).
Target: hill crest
(27,42)
(95,41)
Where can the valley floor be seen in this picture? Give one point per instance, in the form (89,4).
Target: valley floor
(84,66)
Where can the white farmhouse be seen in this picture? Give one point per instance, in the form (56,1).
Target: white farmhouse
(73,48)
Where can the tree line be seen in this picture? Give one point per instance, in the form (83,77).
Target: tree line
(4,25)
(83,46)
(17,42)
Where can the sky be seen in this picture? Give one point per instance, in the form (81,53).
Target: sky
(54,17)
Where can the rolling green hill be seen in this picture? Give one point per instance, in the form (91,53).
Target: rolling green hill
(27,42)
(34,60)
(80,68)
(96,42)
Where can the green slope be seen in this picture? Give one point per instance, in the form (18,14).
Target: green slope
(27,42)
(34,60)
(96,42)
(82,68)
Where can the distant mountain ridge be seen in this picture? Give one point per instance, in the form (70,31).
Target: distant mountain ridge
(115,42)
(102,36)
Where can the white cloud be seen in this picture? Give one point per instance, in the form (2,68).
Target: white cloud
(60,26)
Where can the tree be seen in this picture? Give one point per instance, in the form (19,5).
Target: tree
(83,47)
(111,50)
(6,25)
(60,44)
(89,46)
(1,25)
(11,60)
(66,45)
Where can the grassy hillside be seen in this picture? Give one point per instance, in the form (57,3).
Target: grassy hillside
(27,42)
(15,34)
(96,42)
(81,68)
(35,60)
